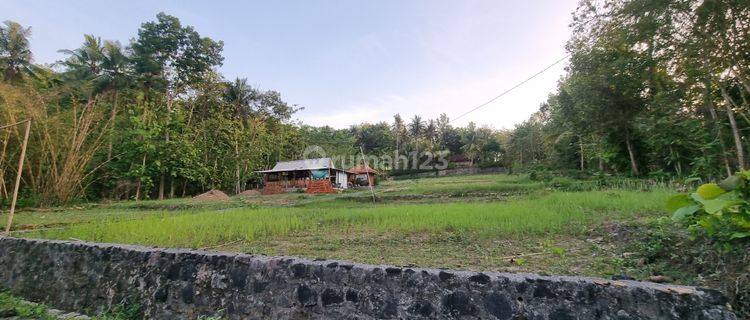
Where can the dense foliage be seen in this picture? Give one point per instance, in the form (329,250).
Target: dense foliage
(154,119)
(721,210)
(655,88)
(150,119)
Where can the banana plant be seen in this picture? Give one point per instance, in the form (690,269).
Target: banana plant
(721,209)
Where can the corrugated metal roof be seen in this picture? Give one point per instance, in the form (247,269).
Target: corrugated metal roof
(304,164)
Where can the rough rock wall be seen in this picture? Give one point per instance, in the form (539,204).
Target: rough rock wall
(172,284)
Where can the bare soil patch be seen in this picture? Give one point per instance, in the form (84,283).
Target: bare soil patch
(213,195)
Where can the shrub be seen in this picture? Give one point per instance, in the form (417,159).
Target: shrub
(721,210)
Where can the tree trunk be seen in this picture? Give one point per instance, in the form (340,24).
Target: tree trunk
(237,182)
(717,130)
(735,131)
(415,163)
(676,157)
(140,179)
(580,143)
(171,188)
(138,190)
(631,153)
(398,142)
(162,180)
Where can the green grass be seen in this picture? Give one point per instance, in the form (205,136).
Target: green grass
(23,309)
(468,222)
(38,311)
(554,213)
(462,185)
(403,191)
(499,222)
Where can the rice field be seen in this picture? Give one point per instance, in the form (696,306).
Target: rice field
(470,222)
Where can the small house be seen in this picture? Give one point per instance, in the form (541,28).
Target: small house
(363,175)
(317,175)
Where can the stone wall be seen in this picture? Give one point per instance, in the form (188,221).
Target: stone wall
(173,284)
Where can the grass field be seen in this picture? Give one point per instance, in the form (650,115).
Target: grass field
(555,213)
(511,223)
(480,222)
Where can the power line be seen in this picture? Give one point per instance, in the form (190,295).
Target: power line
(524,81)
(512,88)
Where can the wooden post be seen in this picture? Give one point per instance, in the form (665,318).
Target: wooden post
(367,173)
(18,178)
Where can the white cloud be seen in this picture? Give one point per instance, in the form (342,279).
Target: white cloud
(454,99)
(456,65)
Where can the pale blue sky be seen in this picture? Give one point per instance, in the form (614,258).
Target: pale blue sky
(349,61)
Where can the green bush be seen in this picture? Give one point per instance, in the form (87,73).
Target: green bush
(721,210)
(540,175)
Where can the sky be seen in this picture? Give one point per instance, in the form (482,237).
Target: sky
(349,62)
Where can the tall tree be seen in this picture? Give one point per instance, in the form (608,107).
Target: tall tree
(114,77)
(15,54)
(416,128)
(170,58)
(399,132)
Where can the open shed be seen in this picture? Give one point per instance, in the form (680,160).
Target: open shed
(317,175)
(363,175)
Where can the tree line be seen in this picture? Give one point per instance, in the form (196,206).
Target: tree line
(150,119)
(656,88)
(154,119)
(653,88)
(423,138)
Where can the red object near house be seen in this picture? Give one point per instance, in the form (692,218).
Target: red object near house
(320,186)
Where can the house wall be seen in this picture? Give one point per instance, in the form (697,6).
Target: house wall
(342,179)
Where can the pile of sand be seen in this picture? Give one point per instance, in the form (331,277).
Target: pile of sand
(213,194)
(250,193)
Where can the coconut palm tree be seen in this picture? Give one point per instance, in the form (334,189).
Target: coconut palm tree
(84,63)
(113,77)
(430,133)
(114,69)
(15,54)
(240,95)
(471,146)
(398,129)
(416,128)
(101,68)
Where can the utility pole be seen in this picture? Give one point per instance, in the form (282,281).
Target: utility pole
(18,175)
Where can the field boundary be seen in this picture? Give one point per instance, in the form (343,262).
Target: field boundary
(176,283)
(450,172)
